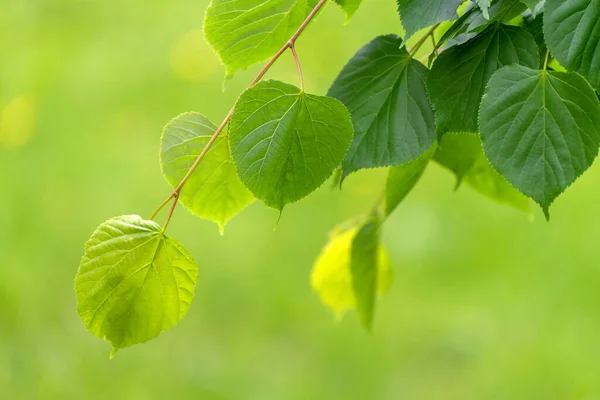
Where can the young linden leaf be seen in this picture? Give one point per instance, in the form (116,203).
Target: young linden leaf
(285,143)
(540,129)
(133,281)
(572,31)
(459,75)
(332,275)
(349,7)
(484,5)
(402,178)
(419,14)
(213,191)
(384,90)
(245,32)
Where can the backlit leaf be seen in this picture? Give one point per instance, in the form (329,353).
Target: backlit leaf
(214,190)
(133,281)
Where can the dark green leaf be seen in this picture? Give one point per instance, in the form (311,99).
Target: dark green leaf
(459,75)
(419,14)
(384,90)
(540,129)
(285,143)
(572,30)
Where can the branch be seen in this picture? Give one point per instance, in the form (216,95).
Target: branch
(288,45)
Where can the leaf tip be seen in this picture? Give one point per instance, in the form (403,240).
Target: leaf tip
(546,210)
(114,352)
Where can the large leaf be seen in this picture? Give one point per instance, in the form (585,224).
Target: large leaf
(419,14)
(133,281)
(572,30)
(402,178)
(459,75)
(347,268)
(384,90)
(462,153)
(244,32)
(214,190)
(349,7)
(540,129)
(285,143)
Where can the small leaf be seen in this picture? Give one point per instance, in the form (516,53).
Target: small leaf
(348,258)
(419,14)
(133,282)
(384,90)
(459,75)
(540,129)
(459,152)
(285,143)
(349,7)
(572,33)
(484,5)
(463,154)
(532,4)
(244,32)
(214,190)
(402,178)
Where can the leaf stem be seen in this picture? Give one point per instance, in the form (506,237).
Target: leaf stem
(546,59)
(288,45)
(422,40)
(293,49)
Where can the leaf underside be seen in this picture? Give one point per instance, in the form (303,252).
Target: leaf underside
(133,281)
(213,191)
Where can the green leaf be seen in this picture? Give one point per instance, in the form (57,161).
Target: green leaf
(133,281)
(344,273)
(285,143)
(384,89)
(531,4)
(540,129)
(462,153)
(534,25)
(403,178)
(214,190)
(244,32)
(349,7)
(573,36)
(473,21)
(484,5)
(419,14)
(459,75)
(459,152)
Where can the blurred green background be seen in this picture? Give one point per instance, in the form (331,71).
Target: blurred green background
(487,303)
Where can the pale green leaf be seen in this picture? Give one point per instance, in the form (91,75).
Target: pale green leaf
(459,75)
(402,178)
(285,143)
(462,153)
(213,191)
(572,30)
(349,7)
(419,14)
(540,129)
(133,281)
(332,276)
(244,32)
(384,90)
(484,5)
